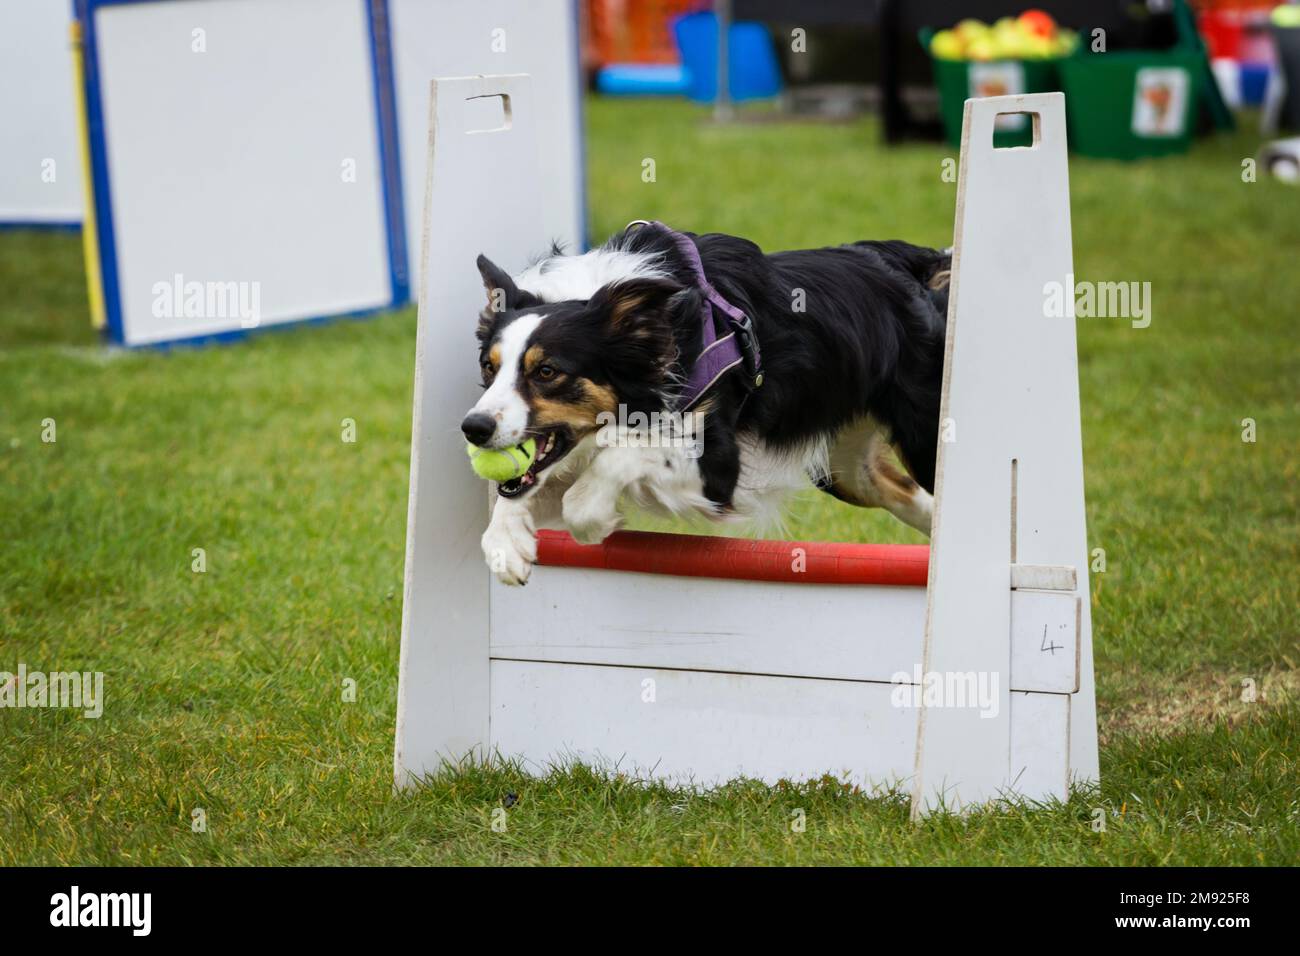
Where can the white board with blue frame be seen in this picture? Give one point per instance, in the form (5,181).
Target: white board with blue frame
(40,166)
(243,165)
(261,162)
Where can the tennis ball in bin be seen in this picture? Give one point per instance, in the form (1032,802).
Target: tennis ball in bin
(501,464)
(969,29)
(946,45)
(1037,23)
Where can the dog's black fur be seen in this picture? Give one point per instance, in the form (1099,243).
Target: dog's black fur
(868,341)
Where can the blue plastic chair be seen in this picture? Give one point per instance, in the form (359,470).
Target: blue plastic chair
(752,69)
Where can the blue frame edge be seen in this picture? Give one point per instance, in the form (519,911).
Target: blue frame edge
(584,224)
(41,225)
(381,56)
(85,13)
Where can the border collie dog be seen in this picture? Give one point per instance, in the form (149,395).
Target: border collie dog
(596,357)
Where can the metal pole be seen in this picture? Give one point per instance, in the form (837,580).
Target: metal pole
(722,111)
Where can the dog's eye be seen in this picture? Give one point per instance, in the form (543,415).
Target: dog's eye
(546,372)
(486,369)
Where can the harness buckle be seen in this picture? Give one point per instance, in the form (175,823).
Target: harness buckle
(748,353)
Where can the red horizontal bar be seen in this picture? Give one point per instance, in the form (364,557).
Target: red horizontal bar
(697,556)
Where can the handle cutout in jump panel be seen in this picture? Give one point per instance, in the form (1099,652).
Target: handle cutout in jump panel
(488,113)
(1012,119)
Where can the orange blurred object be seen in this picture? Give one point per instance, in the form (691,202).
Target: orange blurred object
(634,31)
(1038,23)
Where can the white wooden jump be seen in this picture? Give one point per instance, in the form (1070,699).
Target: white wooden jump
(699,659)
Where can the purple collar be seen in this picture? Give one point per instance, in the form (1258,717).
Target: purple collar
(717,355)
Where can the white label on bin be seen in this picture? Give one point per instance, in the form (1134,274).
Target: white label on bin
(999,79)
(1160,102)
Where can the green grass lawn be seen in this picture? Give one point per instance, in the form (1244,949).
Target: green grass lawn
(223,689)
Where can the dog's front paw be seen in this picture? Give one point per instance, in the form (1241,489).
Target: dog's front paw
(510,547)
(589,519)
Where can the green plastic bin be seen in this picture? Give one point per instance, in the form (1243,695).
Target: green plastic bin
(959,80)
(1127,104)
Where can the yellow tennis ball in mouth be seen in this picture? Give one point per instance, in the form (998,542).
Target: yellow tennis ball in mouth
(502,464)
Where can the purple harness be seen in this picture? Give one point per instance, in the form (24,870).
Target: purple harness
(718,355)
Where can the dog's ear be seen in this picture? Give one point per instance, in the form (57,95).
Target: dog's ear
(632,304)
(502,296)
(502,293)
(636,319)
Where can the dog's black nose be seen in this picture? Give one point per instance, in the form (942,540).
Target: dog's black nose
(479,427)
